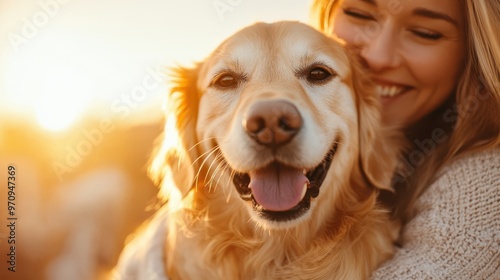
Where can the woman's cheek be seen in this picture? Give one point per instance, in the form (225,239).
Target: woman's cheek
(438,66)
(344,30)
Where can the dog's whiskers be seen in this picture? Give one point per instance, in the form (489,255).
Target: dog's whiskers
(203,155)
(210,153)
(218,156)
(191,148)
(210,182)
(226,168)
(199,143)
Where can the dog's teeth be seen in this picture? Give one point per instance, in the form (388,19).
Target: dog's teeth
(304,171)
(304,190)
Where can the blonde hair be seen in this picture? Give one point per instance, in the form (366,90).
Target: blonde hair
(472,119)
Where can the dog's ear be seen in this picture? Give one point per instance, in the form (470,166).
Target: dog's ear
(379,149)
(173,165)
(380,145)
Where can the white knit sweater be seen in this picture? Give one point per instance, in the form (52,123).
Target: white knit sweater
(455,234)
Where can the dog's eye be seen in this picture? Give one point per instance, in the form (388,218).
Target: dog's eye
(225,81)
(318,75)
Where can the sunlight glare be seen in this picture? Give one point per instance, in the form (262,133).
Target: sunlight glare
(48,82)
(66,96)
(55,117)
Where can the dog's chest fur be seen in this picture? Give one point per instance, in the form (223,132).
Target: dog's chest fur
(215,245)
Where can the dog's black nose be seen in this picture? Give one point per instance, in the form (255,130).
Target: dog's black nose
(272,123)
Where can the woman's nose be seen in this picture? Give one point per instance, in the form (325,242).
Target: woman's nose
(381,50)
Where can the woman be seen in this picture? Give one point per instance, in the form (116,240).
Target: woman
(435,65)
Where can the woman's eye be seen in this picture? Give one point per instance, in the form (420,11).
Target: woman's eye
(355,13)
(318,75)
(225,81)
(427,34)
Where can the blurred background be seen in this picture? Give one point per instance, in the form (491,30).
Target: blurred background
(82,83)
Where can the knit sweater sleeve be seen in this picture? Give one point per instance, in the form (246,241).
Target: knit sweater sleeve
(456,231)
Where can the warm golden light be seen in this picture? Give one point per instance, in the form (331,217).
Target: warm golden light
(55,117)
(63,98)
(63,58)
(91,75)
(45,81)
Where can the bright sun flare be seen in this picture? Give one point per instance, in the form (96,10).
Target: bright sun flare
(67,93)
(56,116)
(76,60)
(54,89)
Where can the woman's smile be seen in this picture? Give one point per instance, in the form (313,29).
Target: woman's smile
(414,54)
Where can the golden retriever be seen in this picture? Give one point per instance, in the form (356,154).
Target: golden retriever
(280,161)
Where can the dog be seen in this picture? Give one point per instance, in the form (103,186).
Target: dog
(273,159)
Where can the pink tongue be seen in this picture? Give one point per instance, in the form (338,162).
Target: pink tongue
(277,187)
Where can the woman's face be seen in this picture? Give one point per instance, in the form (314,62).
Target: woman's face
(413,51)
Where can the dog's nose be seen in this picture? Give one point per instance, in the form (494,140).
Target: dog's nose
(272,123)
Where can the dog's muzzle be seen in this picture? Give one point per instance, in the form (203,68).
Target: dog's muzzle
(279,192)
(286,194)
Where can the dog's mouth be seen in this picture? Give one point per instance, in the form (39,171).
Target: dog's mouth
(280,192)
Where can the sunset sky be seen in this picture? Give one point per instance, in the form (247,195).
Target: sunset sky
(61,60)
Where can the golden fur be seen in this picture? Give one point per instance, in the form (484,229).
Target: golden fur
(213,233)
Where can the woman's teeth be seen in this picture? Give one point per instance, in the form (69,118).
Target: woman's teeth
(388,91)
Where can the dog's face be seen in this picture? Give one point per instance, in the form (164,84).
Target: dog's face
(275,113)
(275,102)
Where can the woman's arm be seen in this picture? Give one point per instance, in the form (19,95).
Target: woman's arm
(456,231)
